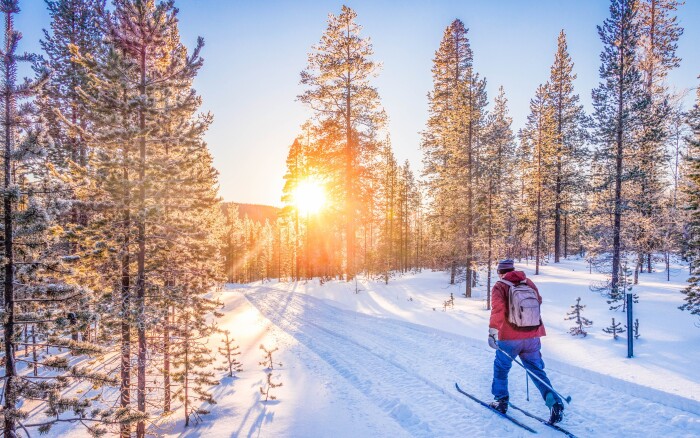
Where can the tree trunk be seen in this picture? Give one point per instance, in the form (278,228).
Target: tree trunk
(566,235)
(618,169)
(558,184)
(166,361)
(9,298)
(186,372)
(125,369)
(538,222)
(349,179)
(141,261)
(489,255)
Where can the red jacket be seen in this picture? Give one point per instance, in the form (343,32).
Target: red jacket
(499,309)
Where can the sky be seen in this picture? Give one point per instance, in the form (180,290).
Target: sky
(255,51)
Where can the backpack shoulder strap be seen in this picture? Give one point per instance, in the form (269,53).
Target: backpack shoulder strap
(506,282)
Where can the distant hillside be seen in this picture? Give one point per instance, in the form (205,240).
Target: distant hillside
(255,212)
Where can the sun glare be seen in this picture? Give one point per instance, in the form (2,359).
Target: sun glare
(309,196)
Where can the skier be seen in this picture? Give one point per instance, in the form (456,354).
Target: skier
(518,333)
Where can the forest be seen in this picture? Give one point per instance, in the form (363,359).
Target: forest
(114,235)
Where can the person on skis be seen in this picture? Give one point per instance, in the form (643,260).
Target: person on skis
(515,329)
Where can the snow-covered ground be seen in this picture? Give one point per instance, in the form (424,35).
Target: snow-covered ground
(383,362)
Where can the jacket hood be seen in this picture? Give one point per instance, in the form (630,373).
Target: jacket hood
(515,276)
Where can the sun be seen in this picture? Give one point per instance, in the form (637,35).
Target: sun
(309,196)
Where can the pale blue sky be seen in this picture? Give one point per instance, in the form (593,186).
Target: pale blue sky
(255,50)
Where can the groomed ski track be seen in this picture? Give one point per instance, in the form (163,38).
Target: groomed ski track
(408,372)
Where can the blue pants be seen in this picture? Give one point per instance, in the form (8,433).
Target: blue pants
(529,352)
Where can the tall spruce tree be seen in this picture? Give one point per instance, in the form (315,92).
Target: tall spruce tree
(498,157)
(73,23)
(450,146)
(152,173)
(692,193)
(339,91)
(570,122)
(295,174)
(659,34)
(39,292)
(617,103)
(538,140)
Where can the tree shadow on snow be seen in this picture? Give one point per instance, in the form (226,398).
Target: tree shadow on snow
(262,416)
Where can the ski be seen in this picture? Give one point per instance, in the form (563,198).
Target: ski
(543,421)
(486,405)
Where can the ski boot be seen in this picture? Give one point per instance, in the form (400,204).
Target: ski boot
(500,404)
(556,408)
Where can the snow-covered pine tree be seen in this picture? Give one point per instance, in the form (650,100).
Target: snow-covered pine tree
(233,242)
(190,355)
(538,143)
(389,188)
(659,34)
(407,205)
(108,241)
(73,23)
(153,178)
(617,297)
(296,170)
(228,350)
(581,321)
(498,156)
(617,102)
(570,133)
(692,194)
(39,293)
(450,148)
(339,91)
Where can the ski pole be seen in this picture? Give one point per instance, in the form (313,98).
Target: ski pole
(527,386)
(567,399)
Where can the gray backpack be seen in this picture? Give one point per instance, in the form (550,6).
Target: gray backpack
(523,306)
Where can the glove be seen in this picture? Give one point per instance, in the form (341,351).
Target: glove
(493,337)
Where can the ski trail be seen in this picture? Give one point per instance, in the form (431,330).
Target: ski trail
(409,371)
(419,405)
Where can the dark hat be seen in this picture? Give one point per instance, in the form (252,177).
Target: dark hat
(506,264)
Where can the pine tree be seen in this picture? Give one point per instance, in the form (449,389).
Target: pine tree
(617,298)
(74,23)
(228,350)
(270,385)
(191,356)
(692,192)
(161,229)
(389,189)
(659,34)
(338,89)
(39,291)
(295,173)
(451,148)
(569,121)
(581,322)
(268,361)
(617,102)
(498,157)
(538,139)
(614,328)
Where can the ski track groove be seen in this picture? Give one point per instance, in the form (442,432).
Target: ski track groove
(384,330)
(405,396)
(406,388)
